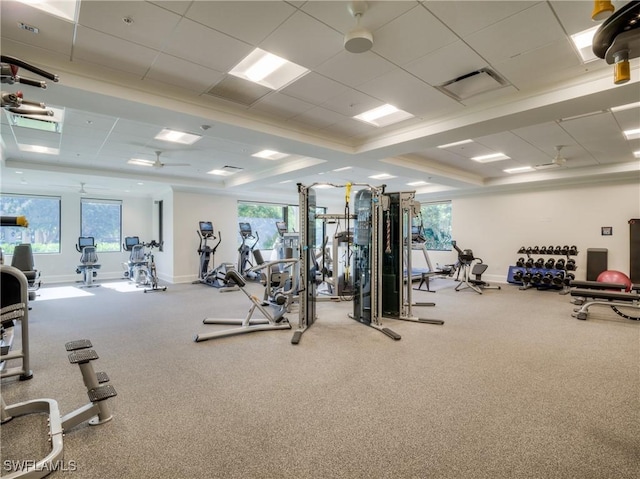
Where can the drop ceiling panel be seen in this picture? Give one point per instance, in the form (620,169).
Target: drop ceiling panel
(628,119)
(178,6)
(545,136)
(188,34)
(518,34)
(318,117)
(150,27)
(82,119)
(573,22)
(351,103)
(281,106)
(349,128)
(314,88)
(411,36)
(466,17)
(111,52)
(513,146)
(408,93)
(175,71)
(354,69)
(594,128)
(314,42)
(54,34)
(453,61)
(251,22)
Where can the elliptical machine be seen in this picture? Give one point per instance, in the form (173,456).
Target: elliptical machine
(214,277)
(245,251)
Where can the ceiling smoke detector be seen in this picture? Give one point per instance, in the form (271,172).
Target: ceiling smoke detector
(358,40)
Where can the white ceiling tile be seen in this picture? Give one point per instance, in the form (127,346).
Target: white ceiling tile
(282,106)
(411,36)
(96,47)
(351,102)
(409,93)
(319,117)
(574,16)
(175,71)
(354,69)
(314,88)
(55,34)
(545,136)
(314,41)
(228,51)
(446,63)
(466,17)
(523,32)
(150,22)
(349,128)
(249,21)
(177,6)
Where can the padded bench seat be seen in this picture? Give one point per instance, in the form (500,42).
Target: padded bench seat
(607,295)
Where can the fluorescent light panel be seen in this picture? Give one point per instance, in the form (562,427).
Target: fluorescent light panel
(582,41)
(628,106)
(67,9)
(39,149)
(140,162)
(382,176)
(632,134)
(344,168)
(383,115)
(520,169)
(490,158)
(455,143)
(270,155)
(51,123)
(220,172)
(175,136)
(267,69)
(636,154)
(417,183)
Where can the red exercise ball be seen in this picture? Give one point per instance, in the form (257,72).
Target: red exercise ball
(613,276)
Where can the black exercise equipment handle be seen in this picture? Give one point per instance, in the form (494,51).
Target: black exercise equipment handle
(27,66)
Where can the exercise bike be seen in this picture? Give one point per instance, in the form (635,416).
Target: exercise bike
(88,266)
(141,267)
(470,265)
(214,277)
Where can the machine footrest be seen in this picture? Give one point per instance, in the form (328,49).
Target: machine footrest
(78,344)
(101,393)
(102,377)
(82,356)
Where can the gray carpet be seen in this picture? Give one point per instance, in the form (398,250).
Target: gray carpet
(510,387)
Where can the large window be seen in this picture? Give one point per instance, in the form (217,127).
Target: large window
(43,215)
(102,219)
(436,224)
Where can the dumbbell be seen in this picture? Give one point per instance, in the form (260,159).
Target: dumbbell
(543,250)
(529,249)
(522,250)
(520,262)
(536,278)
(565,250)
(546,279)
(558,278)
(549,264)
(560,263)
(573,250)
(535,250)
(529,263)
(517,276)
(539,263)
(557,250)
(526,278)
(571,265)
(550,249)
(568,278)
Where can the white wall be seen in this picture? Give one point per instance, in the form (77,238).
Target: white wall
(496,226)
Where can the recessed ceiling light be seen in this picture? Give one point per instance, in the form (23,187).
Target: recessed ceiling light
(383,115)
(490,158)
(382,176)
(270,155)
(632,134)
(455,143)
(417,183)
(636,154)
(140,162)
(582,41)
(140,183)
(19,172)
(267,69)
(520,169)
(225,171)
(177,136)
(285,181)
(344,168)
(67,9)
(628,106)
(26,119)
(39,149)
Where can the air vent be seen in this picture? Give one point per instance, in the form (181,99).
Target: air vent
(472,84)
(237,90)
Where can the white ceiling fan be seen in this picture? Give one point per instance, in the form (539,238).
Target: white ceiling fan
(557,161)
(155,164)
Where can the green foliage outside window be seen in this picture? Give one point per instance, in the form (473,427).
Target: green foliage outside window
(43,215)
(102,219)
(436,225)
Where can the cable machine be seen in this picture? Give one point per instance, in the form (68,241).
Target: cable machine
(381,249)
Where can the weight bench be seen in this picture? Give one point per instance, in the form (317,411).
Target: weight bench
(600,294)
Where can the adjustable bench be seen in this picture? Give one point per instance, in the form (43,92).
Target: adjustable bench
(601,294)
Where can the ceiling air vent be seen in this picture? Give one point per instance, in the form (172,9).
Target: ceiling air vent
(471,84)
(237,90)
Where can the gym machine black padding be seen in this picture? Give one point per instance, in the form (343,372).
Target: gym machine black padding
(634,250)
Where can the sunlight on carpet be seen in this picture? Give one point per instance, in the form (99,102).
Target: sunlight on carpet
(61,292)
(122,286)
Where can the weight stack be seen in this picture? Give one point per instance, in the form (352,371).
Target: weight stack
(634,250)
(597,261)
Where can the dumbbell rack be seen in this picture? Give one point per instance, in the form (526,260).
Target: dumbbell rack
(541,274)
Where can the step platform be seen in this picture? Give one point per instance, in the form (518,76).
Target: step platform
(78,344)
(82,356)
(101,393)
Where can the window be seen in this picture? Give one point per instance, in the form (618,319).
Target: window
(436,225)
(102,219)
(43,215)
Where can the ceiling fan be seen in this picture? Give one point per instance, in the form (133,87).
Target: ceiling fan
(556,162)
(155,164)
